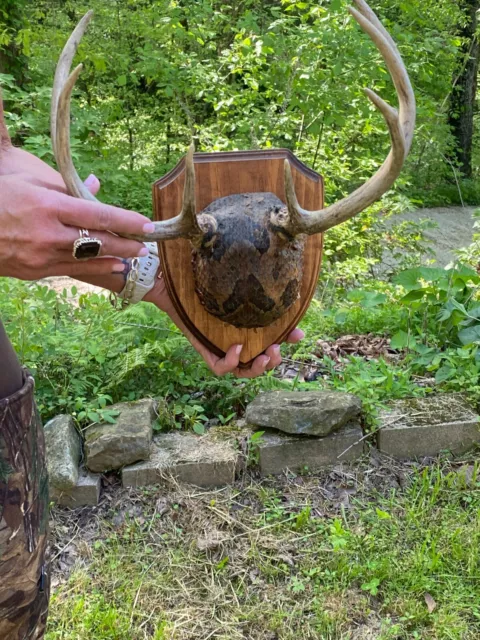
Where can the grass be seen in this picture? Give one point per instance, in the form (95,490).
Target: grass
(377,550)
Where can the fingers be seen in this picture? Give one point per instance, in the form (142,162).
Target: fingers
(96,267)
(85,214)
(275,356)
(295,336)
(93,184)
(265,362)
(228,364)
(111,245)
(257,368)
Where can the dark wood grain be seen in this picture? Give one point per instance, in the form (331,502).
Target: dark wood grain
(218,175)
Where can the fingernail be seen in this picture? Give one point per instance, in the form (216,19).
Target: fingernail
(149,227)
(90,180)
(266,361)
(143,252)
(301,334)
(276,349)
(238,349)
(118,268)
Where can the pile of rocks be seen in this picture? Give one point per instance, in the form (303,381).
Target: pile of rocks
(302,430)
(317,429)
(75,464)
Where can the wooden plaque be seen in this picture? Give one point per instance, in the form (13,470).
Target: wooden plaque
(223,174)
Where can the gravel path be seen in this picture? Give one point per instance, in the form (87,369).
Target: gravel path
(454,229)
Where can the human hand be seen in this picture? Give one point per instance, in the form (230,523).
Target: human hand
(30,172)
(40,223)
(230,362)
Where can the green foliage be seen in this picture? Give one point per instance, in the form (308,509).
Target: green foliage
(262,75)
(87,356)
(272,74)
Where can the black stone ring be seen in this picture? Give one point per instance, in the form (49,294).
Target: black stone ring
(86,248)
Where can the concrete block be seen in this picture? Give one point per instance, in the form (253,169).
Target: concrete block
(199,460)
(279,452)
(85,493)
(419,427)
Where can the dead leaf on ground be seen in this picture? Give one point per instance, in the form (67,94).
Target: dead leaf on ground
(430,602)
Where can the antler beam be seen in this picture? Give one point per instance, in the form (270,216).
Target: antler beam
(400,124)
(184,225)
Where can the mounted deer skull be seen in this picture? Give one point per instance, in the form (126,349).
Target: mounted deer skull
(247,249)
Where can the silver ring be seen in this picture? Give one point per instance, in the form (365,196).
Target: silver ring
(85,247)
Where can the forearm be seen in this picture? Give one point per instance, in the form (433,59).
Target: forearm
(112,282)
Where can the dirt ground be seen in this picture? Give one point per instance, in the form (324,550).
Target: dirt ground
(59,283)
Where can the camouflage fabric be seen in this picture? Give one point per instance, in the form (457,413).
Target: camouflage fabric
(24,584)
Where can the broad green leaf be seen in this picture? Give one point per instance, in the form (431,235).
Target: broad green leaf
(470,335)
(444,373)
(412,296)
(409,279)
(401,340)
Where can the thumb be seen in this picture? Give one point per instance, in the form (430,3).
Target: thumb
(93,184)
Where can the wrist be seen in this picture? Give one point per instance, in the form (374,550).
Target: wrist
(159,295)
(140,277)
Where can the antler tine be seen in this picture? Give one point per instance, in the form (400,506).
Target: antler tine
(184,225)
(400,124)
(407,107)
(63,70)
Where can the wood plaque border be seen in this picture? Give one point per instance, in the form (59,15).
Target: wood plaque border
(217,175)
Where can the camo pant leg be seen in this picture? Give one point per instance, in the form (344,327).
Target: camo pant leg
(24,583)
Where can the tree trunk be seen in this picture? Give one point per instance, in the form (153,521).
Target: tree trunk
(462,100)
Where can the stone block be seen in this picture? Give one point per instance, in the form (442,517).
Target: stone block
(112,446)
(199,460)
(85,493)
(279,452)
(418,427)
(315,413)
(63,450)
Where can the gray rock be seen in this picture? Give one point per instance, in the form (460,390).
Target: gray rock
(279,452)
(202,461)
(418,427)
(314,413)
(63,451)
(112,446)
(85,493)
(452,230)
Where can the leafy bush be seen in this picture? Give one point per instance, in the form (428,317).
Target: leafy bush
(85,357)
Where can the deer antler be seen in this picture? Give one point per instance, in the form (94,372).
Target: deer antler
(184,225)
(400,124)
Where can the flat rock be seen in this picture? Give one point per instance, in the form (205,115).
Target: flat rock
(200,460)
(112,446)
(418,427)
(63,450)
(313,413)
(279,452)
(85,493)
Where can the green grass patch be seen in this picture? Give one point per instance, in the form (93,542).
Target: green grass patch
(345,556)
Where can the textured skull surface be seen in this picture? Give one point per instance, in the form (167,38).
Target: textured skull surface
(248,272)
